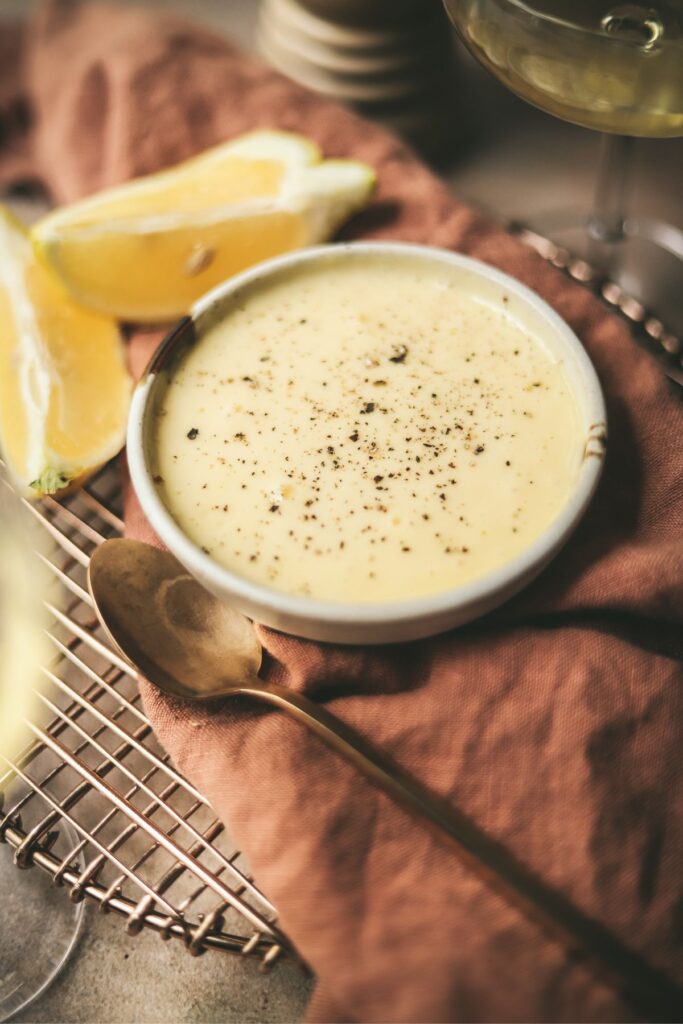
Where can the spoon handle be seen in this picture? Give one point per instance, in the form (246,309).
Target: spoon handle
(370,761)
(598,948)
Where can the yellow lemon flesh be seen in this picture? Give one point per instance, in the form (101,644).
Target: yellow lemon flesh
(64,387)
(145,251)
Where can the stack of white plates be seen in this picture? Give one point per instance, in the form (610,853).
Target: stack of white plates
(391,59)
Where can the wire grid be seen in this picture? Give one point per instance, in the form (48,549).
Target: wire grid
(150,846)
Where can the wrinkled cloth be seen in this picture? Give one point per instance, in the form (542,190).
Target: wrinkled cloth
(555,723)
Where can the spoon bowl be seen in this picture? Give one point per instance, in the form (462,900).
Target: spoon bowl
(180,636)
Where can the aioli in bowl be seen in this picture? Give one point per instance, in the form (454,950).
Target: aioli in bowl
(368,430)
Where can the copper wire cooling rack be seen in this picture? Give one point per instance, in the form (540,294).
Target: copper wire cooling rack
(150,846)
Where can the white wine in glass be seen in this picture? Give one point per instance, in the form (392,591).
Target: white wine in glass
(38,924)
(614,67)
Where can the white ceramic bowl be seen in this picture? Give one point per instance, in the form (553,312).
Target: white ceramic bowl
(386,622)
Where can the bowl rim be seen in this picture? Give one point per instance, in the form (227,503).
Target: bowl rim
(525,564)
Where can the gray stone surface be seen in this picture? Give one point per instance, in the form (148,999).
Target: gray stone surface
(113,978)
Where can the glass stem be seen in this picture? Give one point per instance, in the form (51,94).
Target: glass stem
(606,222)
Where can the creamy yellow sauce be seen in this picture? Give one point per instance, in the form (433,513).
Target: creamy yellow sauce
(370,430)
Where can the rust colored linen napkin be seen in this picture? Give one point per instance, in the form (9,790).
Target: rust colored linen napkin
(555,724)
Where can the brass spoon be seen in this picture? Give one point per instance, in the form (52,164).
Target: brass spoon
(191,645)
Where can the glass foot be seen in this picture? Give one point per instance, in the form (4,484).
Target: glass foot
(39,928)
(646,263)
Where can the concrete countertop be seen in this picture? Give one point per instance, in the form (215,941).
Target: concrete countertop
(516,161)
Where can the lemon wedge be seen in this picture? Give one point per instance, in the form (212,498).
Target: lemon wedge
(145,251)
(64,386)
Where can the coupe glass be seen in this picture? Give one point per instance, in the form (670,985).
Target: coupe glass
(617,68)
(38,925)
